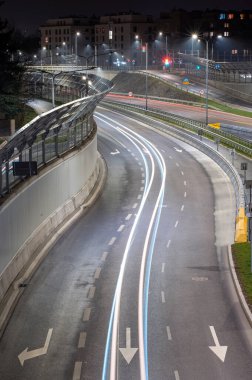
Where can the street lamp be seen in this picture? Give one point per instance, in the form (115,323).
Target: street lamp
(219,37)
(77,34)
(166,48)
(139,40)
(194,37)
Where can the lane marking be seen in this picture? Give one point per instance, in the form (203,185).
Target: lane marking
(142,188)
(168,244)
(163,268)
(112,241)
(77,371)
(170,157)
(176,375)
(91,292)
(133,154)
(182,173)
(176,224)
(137,158)
(121,228)
(163,296)
(128,217)
(97,273)
(135,205)
(139,196)
(86,315)
(82,339)
(143,174)
(143,181)
(142,169)
(168,330)
(185,194)
(177,164)
(104,256)
(182,207)
(184,183)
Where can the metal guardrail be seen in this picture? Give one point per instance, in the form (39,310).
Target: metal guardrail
(50,135)
(228,139)
(194,141)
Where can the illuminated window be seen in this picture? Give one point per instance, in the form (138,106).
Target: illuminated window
(226,34)
(226,25)
(234,51)
(222,16)
(230,16)
(242,16)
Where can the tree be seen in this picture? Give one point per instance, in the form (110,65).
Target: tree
(11,72)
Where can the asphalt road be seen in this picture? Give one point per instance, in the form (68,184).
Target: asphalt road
(144,270)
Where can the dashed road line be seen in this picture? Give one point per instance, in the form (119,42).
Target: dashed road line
(184,183)
(121,228)
(139,196)
(176,224)
(142,169)
(163,267)
(182,173)
(177,164)
(112,241)
(86,315)
(185,194)
(168,330)
(104,256)
(142,188)
(128,217)
(97,273)
(143,174)
(77,371)
(135,205)
(143,180)
(163,297)
(91,292)
(82,339)
(168,244)
(176,375)
(170,157)
(182,207)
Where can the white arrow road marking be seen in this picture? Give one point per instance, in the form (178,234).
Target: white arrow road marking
(114,153)
(128,352)
(25,355)
(178,150)
(220,351)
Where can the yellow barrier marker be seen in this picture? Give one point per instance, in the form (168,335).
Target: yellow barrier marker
(241,227)
(215,125)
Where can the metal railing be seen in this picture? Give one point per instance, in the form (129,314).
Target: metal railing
(53,133)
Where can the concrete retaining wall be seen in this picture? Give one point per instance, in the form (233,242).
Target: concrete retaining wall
(30,216)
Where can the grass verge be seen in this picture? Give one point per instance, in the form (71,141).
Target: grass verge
(241,257)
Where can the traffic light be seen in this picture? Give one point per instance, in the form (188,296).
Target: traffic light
(166,61)
(198,67)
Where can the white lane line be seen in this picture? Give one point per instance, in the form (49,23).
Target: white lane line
(139,196)
(128,217)
(163,267)
(163,297)
(142,188)
(140,163)
(182,207)
(168,330)
(133,154)
(97,273)
(91,292)
(170,157)
(142,169)
(176,224)
(168,244)
(176,375)
(82,339)
(143,180)
(135,205)
(185,194)
(104,256)
(143,174)
(86,315)
(137,158)
(177,164)
(121,228)
(112,241)
(77,371)
(184,183)
(182,173)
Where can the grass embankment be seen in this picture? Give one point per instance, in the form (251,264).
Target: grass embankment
(241,257)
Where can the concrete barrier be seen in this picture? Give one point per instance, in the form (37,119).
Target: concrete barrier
(29,217)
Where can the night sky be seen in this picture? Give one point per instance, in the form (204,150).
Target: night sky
(29,14)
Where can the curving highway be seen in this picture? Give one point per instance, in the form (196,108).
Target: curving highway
(139,287)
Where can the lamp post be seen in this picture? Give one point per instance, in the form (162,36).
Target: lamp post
(146,76)
(166,45)
(194,37)
(77,34)
(139,40)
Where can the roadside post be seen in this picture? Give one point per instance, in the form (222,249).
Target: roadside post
(244,167)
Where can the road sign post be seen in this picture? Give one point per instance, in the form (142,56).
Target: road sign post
(244,167)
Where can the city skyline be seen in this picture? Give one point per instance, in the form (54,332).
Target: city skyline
(28,15)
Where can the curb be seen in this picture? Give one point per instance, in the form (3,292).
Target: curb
(16,289)
(238,289)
